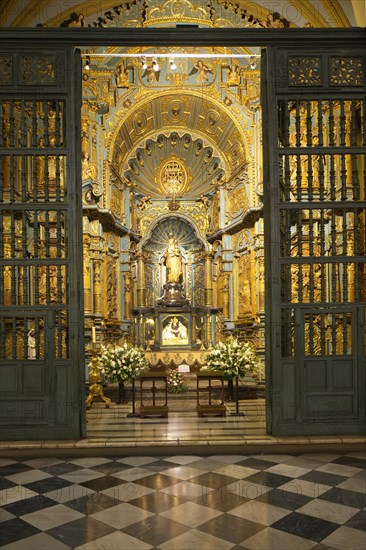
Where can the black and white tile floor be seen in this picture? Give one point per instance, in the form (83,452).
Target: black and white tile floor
(183,502)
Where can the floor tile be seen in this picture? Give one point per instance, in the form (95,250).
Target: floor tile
(138,460)
(71,492)
(127,491)
(213,480)
(288,470)
(157,502)
(115,541)
(157,481)
(256,463)
(6,462)
(24,478)
(81,531)
(272,539)
(346,538)
(348,498)
(33,504)
(284,499)
(329,511)
(132,474)
(14,530)
(323,478)
(6,483)
(260,512)
(102,483)
(186,489)
(62,468)
(223,500)
(247,489)
(321,457)
(276,458)
(196,540)
(303,487)
(231,528)
(89,462)
(51,517)
(13,494)
(183,459)
(353,484)
(44,462)
(80,476)
(41,541)
(182,472)
(191,514)
(5,515)
(122,515)
(227,459)
(358,521)
(268,479)
(90,504)
(352,461)
(339,469)
(305,526)
(14,468)
(156,530)
(236,471)
(111,467)
(48,484)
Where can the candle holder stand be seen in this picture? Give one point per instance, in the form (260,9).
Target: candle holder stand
(95,388)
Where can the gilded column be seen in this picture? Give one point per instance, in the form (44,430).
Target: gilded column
(261,284)
(208,279)
(194,328)
(128,283)
(141,291)
(87,277)
(209,330)
(97,288)
(7,272)
(225,296)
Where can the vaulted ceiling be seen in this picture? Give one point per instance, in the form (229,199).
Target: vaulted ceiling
(318,13)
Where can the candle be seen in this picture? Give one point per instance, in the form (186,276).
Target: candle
(93,335)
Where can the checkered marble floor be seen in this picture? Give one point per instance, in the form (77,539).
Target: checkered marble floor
(269,502)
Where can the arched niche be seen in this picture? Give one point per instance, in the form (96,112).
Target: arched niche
(193,248)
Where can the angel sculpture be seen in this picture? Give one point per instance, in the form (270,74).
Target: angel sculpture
(144,202)
(201,70)
(151,75)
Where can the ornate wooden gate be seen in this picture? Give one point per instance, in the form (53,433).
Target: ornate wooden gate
(314,146)
(41,309)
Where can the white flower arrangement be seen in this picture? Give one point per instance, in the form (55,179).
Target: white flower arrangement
(122,363)
(234,359)
(176,382)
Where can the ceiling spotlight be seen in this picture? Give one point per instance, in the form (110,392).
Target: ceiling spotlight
(155,65)
(144,64)
(87,63)
(253,63)
(172,64)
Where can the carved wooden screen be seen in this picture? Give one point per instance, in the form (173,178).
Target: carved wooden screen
(315,240)
(40,228)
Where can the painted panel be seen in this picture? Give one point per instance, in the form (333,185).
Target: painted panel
(328,406)
(288,398)
(23,412)
(9,380)
(33,380)
(316,375)
(343,374)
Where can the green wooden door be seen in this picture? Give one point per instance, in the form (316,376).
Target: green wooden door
(41,299)
(314,153)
